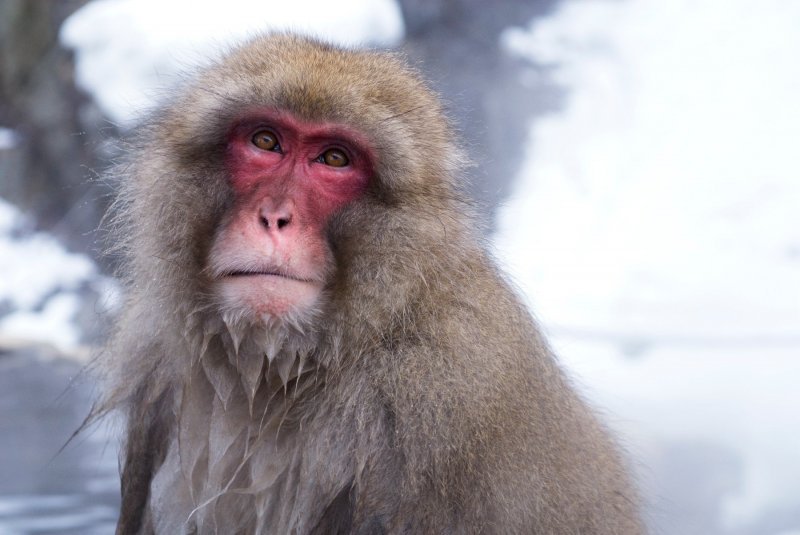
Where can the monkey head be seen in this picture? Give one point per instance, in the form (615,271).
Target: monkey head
(281,162)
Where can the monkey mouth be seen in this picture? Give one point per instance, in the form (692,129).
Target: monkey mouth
(260,291)
(264,273)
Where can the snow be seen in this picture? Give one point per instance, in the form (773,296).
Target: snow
(129,51)
(8,138)
(39,284)
(655,225)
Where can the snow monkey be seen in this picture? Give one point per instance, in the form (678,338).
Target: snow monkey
(315,339)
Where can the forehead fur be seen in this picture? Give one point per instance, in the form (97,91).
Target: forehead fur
(322,81)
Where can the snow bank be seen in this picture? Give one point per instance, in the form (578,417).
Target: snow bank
(128,50)
(657,216)
(40,283)
(8,138)
(664,199)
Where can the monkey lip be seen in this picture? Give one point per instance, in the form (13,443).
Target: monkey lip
(265,273)
(263,292)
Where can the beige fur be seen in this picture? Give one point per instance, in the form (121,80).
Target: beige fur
(417,397)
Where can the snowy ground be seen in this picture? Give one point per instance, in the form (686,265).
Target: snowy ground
(42,285)
(654,226)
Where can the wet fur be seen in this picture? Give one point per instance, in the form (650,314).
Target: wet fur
(419,397)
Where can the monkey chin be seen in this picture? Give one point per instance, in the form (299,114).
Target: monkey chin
(268,297)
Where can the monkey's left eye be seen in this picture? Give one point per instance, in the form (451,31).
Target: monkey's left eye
(334,158)
(266,140)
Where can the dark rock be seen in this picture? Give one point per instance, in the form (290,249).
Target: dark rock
(51,170)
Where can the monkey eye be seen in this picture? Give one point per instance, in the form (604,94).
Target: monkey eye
(334,158)
(266,140)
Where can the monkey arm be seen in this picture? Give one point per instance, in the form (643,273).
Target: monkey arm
(454,428)
(147,441)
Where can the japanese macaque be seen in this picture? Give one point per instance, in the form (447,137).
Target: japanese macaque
(315,339)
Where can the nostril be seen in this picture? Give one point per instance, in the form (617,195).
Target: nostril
(273,215)
(273,222)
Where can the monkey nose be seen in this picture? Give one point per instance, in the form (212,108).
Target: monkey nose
(275,222)
(275,219)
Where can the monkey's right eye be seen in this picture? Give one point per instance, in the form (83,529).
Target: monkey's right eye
(266,140)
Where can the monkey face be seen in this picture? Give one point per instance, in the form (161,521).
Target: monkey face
(270,258)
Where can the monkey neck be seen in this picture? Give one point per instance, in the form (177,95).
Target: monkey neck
(238,419)
(256,359)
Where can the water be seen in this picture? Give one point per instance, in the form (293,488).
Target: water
(43,399)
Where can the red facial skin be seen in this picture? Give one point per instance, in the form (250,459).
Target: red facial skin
(270,256)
